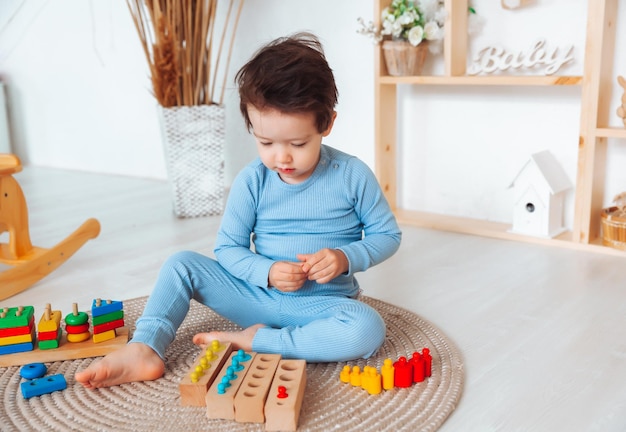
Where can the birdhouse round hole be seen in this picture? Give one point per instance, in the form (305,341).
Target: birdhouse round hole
(530,207)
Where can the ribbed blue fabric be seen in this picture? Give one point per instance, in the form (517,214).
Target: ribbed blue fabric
(339,206)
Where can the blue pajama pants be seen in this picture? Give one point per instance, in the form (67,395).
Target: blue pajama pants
(314,328)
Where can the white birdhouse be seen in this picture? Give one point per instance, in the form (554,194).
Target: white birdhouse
(539,190)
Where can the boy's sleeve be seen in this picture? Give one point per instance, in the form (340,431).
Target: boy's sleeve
(232,248)
(381,234)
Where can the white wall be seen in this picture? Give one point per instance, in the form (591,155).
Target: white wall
(81,99)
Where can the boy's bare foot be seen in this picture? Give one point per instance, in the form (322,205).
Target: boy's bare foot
(133,362)
(239,339)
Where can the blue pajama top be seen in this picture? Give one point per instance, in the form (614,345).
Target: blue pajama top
(341,205)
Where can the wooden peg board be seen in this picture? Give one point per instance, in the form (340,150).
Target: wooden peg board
(253,396)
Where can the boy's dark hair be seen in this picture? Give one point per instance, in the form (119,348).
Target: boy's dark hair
(291,75)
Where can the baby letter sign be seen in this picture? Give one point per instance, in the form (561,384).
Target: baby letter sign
(494,58)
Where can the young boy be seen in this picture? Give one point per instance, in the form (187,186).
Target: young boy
(300,221)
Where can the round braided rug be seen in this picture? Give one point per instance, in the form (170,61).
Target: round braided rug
(328,403)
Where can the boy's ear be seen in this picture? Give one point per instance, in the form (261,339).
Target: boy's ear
(330,126)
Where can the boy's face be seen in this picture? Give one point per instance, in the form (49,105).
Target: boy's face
(287,143)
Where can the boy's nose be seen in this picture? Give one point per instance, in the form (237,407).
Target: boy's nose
(283,156)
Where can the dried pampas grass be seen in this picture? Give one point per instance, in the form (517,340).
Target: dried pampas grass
(180,42)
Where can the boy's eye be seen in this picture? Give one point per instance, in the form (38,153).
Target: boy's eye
(298,144)
(265,143)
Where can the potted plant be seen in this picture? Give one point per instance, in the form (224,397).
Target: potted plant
(188,45)
(408,30)
(614,223)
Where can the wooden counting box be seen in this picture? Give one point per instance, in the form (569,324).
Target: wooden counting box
(282,413)
(252,394)
(193,393)
(222,406)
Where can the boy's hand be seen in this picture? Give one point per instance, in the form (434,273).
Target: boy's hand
(324,265)
(287,276)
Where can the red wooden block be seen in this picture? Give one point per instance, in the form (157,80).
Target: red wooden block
(101,328)
(77,329)
(419,367)
(17,331)
(403,373)
(428,362)
(49,335)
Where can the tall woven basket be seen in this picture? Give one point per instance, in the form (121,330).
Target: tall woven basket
(193,137)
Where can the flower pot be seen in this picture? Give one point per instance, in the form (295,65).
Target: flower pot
(404,59)
(193,140)
(613,228)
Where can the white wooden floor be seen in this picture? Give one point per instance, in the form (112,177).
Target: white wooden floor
(542,329)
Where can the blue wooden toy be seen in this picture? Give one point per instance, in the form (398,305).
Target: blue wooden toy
(44,385)
(33,370)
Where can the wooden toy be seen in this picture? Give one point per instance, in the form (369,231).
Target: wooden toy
(344,376)
(387,372)
(17,329)
(50,325)
(65,351)
(355,376)
(428,362)
(193,389)
(106,317)
(282,408)
(240,386)
(373,380)
(99,308)
(77,325)
(220,398)
(251,397)
(33,370)
(15,348)
(419,367)
(44,385)
(403,373)
(29,263)
(16,316)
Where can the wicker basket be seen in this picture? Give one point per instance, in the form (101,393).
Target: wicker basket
(404,59)
(613,229)
(193,137)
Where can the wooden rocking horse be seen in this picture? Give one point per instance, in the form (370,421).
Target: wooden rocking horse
(29,263)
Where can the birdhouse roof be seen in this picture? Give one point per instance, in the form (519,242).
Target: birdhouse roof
(550,170)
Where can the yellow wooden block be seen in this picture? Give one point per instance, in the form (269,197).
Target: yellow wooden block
(51,324)
(104,336)
(11,340)
(78,337)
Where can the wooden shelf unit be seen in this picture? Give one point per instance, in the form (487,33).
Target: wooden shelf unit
(596,82)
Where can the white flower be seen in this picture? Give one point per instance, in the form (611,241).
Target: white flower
(396,29)
(406,18)
(416,35)
(419,20)
(432,31)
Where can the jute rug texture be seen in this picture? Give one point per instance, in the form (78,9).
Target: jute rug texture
(328,403)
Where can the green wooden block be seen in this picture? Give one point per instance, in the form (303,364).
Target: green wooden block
(113,316)
(11,319)
(51,344)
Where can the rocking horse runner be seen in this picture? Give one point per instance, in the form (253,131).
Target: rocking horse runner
(30,263)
